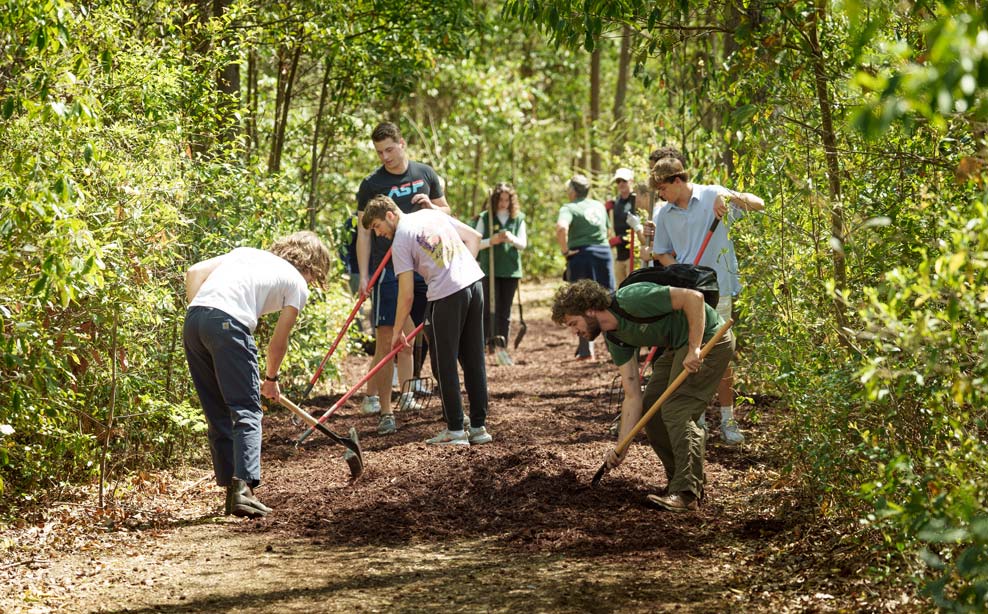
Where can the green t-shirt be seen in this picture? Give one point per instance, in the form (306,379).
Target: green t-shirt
(645,300)
(587,222)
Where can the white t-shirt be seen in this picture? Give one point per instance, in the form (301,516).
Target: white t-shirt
(426,242)
(249,283)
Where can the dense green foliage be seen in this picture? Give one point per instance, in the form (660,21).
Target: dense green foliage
(862,126)
(130,147)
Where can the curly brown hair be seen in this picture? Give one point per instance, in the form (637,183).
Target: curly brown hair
(578,298)
(305,252)
(499,189)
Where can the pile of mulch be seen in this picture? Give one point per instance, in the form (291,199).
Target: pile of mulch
(529,489)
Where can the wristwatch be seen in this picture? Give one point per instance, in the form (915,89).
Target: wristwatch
(271,379)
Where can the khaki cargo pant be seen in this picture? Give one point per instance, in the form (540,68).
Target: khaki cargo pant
(673,432)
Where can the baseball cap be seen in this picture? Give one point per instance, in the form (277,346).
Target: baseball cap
(580,181)
(666,168)
(623,173)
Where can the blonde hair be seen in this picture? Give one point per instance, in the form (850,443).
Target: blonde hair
(305,252)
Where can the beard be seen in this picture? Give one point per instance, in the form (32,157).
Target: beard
(593,328)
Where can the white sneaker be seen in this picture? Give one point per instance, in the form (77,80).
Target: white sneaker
(730,433)
(371,405)
(387,425)
(447,437)
(479,436)
(466,421)
(407,402)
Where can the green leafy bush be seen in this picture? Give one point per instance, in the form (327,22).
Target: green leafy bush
(926,382)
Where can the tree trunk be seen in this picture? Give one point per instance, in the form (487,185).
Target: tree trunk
(478,162)
(833,164)
(286,79)
(228,84)
(316,131)
(620,92)
(594,111)
(251,138)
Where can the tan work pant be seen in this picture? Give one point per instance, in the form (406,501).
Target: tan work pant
(673,432)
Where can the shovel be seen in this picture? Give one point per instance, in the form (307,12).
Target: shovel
(350,393)
(624,443)
(522,327)
(501,352)
(354,456)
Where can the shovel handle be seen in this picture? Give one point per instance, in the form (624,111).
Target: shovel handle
(308,419)
(624,443)
(346,325)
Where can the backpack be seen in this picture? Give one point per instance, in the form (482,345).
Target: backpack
(694,277)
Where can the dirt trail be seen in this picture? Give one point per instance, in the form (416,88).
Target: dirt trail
(507,527)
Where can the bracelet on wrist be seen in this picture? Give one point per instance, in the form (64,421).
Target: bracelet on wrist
(271,379)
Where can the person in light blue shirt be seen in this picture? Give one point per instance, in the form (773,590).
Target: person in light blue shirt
(681,227)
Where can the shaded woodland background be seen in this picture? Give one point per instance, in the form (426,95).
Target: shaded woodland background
(139,137)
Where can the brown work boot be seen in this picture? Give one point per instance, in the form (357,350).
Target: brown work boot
(242,502)
(684,501)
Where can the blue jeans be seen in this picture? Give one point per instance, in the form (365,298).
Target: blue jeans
(591,262)
(223,363)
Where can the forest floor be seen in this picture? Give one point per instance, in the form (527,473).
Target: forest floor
(509,527)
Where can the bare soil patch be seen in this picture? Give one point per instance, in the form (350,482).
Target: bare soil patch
(512,526)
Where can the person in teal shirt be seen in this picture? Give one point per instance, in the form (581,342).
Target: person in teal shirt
(581,231)
(685,323)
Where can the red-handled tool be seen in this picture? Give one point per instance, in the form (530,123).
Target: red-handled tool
(696,261)
(363,381)
(346,325)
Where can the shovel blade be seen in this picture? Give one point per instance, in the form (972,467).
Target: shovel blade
(598,476)
(354,456)
(522,329)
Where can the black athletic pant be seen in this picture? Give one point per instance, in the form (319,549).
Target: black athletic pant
(504,296)
(455,327)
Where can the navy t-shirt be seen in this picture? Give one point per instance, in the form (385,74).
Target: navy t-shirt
(417,178)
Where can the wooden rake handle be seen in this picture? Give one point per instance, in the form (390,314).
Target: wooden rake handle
(624,443)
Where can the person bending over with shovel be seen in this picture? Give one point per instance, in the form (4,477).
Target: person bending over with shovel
(643,315)
(441,249)
(227,295)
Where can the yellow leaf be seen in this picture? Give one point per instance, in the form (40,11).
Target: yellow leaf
(956,261)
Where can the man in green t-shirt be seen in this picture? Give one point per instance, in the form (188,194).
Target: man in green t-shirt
(685,323)
(581,232)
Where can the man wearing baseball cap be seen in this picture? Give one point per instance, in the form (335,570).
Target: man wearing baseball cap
(619,208)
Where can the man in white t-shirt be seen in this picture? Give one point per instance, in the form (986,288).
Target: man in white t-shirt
(227,295)
(442,250)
